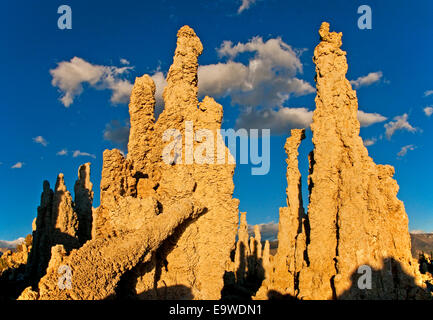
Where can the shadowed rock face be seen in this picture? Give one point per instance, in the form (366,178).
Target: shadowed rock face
(61,221)
(354,217)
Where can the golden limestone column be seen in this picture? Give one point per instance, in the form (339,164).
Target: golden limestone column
(166,228)
(354,216)
(192,263)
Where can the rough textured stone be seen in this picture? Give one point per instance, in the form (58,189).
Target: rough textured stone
(83,203)
(60,221)
(165,230)
(354,216)
(242,249)
(189,263)
(289,258)
(96,268)
(195,258)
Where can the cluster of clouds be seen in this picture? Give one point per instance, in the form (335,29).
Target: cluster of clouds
(258,76)
(401,123)
(398,123)
(71,76)
(63,152)
(75,153)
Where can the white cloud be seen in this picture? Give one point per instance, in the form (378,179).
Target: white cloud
(70,76)
(428,93)
(124,62)
(398,123)
(40,140)
(17,165)
(62,152)
(405,149)
(117,133)
(280,121)
(367,119)
(428,111)
(78,153)
(367,80)
(246,4)
(370,142)
(268,231)
(11,244)
(267,80)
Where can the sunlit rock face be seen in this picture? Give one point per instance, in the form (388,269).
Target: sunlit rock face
(354,217)
(163,230)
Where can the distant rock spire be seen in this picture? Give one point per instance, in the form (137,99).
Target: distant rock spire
(83,203)
(354,216)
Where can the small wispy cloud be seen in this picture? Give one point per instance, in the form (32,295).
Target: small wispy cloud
(428,111)
(367,80)
(41,140)
(17,165)
(367,119)
(62,152)
(246,4)
(370,142)
(78,153)
(398,123)
(428,93)
(405,149)
(124,62)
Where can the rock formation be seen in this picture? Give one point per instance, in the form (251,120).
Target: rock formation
(166,225)
(251,263)
(354,217)
(12,270)
(195,257)
(242,250)
(83,203)
(61,220)
(164,228)
(293,223)
(96,268)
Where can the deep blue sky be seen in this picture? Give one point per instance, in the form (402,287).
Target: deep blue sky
(144,32)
